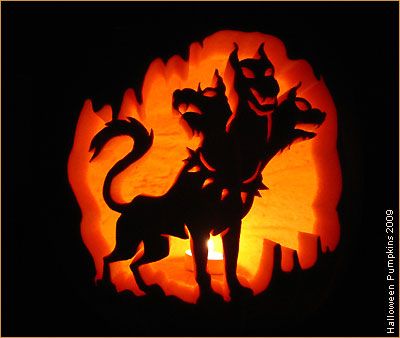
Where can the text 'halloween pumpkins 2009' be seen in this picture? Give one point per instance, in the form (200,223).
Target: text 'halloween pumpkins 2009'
(256,129)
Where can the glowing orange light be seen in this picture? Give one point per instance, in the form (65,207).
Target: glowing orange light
(304,182)
(215,264)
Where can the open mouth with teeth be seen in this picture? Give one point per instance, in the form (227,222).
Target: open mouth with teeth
(308,118)
(263,100)
(194,121)
(309,126)
(190,112)
(307,122)
(262,105)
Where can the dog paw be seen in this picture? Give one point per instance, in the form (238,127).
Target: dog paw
(241,293)
(210,297)
(106,286)
(154,290)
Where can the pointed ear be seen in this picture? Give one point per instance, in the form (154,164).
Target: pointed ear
(234,58)
(293,92)
(261,52)
(218,82)
(190,151)
(199,90)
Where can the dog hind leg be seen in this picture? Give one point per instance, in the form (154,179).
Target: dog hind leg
(121,252)
(154,249)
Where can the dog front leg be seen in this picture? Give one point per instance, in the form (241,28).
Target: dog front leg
(199,249)
(230,242)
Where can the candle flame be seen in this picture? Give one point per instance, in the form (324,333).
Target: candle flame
(210,245)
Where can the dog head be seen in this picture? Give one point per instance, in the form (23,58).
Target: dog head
(204,110)
(254,80)
(293,119)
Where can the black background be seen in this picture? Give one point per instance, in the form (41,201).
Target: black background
(57,55)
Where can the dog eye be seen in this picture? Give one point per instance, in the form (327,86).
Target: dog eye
(195,169)
(269,72)
(248,73)
(301,105)
(209,93)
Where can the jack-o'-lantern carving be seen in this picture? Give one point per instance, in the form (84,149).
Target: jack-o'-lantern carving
(234,147)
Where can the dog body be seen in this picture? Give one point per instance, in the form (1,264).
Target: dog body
(216,186)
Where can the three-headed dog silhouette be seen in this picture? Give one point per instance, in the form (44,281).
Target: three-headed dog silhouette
(219,180)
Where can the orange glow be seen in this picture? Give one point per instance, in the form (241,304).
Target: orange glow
(304,182)
(215,264)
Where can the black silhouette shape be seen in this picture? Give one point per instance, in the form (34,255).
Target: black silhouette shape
(217,184)
(264,126)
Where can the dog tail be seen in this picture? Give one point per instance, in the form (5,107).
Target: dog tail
(143,140)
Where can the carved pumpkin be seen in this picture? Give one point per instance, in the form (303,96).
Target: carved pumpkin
(304,181)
